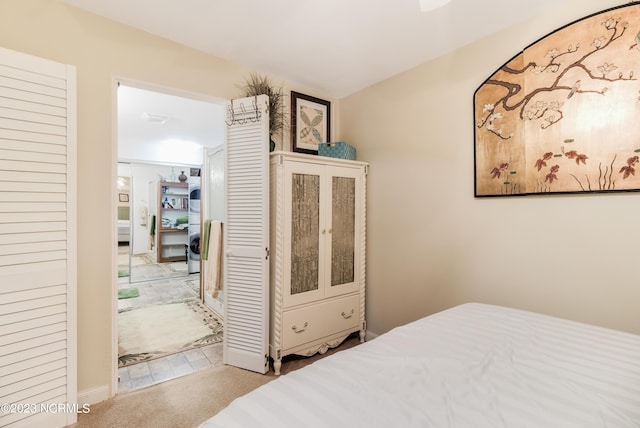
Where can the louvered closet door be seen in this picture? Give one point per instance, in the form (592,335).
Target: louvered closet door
(246,232)
(37,242)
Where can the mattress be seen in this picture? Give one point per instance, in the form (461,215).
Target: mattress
(474,365)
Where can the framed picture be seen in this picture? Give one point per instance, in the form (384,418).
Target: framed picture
(561,115)
(310,122)
(123,197)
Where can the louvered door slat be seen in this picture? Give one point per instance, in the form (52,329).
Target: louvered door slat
(17,165)
(32,147)
(20,369)
(50,375)
(31,324)
(32,187)
(34,137)
(31,116)
(32,373)
(28,91)
(37,238)
(42,236)
(17,155)
(247,234)
(33,107)
(33,196)
(22,228)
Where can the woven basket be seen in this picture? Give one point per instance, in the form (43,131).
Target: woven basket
(339,150)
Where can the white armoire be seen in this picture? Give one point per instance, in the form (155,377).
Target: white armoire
(317,271)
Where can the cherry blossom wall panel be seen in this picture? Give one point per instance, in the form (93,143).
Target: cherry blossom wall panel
(564,114)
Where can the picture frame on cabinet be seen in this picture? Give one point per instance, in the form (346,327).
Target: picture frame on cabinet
(310,122)
(123,197)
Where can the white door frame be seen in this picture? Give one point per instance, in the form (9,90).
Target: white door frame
(115,82)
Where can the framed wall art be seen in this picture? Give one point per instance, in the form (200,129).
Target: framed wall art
(562,115)
(310,122)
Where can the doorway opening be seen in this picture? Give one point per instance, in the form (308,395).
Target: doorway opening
(164,327)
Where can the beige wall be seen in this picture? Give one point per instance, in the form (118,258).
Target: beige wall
(102,51)
(432,245)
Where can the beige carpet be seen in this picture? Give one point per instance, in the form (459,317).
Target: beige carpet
(183,402)
(187,401)
(155,331)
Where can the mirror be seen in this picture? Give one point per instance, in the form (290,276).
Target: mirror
(123,224)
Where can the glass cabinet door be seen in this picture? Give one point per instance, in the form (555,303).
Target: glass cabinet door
(322,206)
(344,207)
(305,233)
(343,222)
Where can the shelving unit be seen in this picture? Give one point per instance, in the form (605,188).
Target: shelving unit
(173,230)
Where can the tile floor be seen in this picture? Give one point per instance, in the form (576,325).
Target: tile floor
(158,291)
(170,367)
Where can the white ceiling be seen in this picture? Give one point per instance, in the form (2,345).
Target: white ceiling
(334,47)
(187,126)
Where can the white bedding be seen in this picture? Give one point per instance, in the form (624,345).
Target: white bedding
(473,366)
(124,227)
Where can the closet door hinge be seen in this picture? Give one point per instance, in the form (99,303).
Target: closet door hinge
(267,253)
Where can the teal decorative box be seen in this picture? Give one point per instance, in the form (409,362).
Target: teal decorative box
(339,150)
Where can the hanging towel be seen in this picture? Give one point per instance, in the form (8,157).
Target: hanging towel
(152,232)
(220,278)
(152,227)
(214,263)
(204,242)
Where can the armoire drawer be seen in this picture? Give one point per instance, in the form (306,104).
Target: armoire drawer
(307,324)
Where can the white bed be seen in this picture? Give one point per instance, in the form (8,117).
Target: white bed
(474,365)
(124,223)
(124,230)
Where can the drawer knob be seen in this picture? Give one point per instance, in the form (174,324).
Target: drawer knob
(297,330)
(347,315)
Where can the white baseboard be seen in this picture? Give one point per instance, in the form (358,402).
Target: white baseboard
(93,396)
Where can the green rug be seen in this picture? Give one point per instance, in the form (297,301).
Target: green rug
(128,293)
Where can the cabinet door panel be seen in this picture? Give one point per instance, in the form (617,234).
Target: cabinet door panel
(344,205)
(343,217)
(304,222)
(305,233)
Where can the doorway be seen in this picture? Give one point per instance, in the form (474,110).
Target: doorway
(162,136)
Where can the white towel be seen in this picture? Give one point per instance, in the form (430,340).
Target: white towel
(214,264)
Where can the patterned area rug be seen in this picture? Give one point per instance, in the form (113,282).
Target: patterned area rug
(181,267)
(193,285)
(155,331)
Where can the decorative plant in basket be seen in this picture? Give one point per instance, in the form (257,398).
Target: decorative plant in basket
(256,84)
